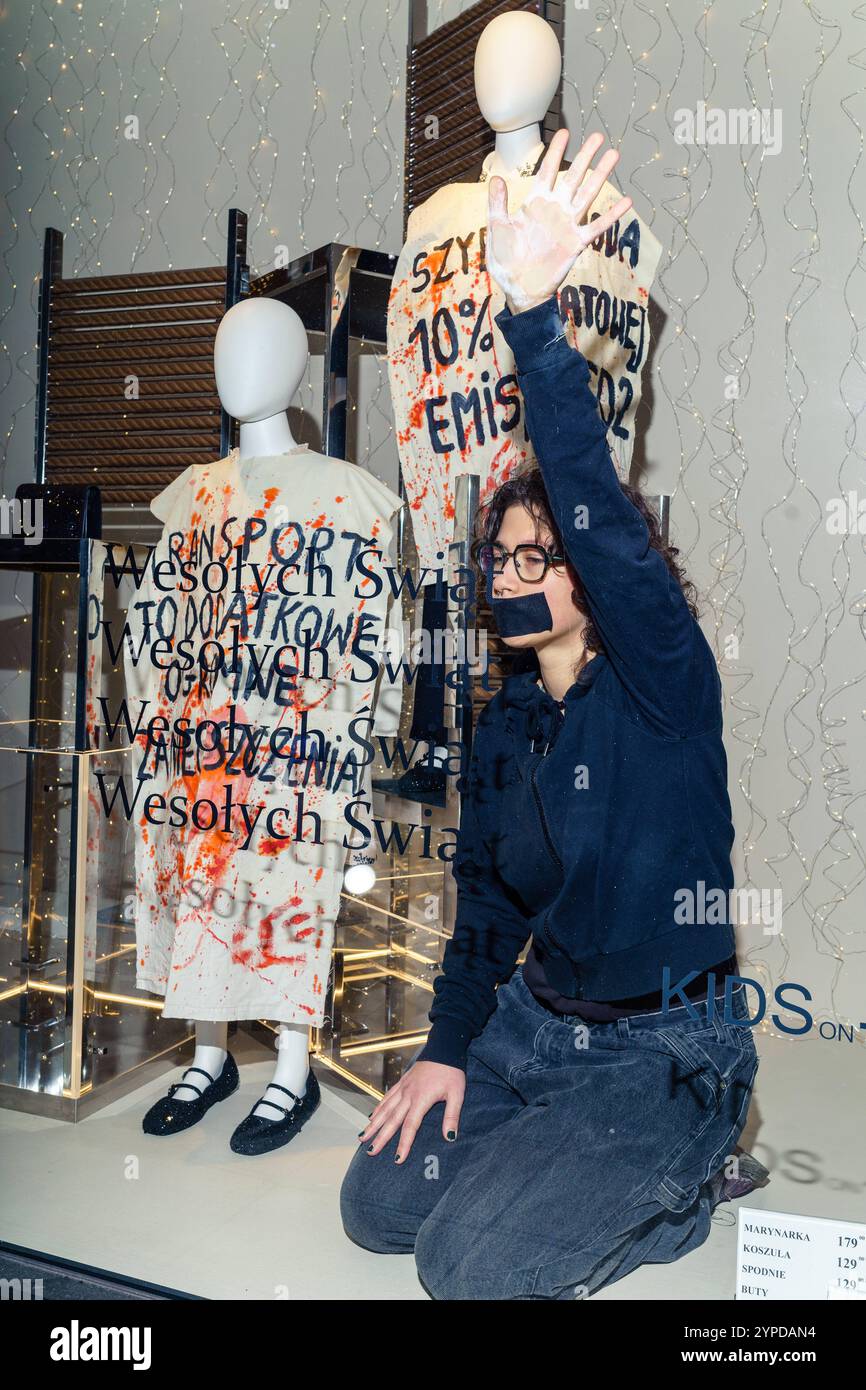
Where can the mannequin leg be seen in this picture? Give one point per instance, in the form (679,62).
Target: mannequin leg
(293,1046)
(210,1054)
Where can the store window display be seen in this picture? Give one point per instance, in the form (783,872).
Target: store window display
(581,1132)
(254,674)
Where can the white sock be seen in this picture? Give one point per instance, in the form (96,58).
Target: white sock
(291,1071)
(211,1060)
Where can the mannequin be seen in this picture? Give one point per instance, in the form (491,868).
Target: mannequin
(252,337)
(279,960)
(456,401)
(511,44)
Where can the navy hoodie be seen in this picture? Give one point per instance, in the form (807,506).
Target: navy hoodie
(629,804)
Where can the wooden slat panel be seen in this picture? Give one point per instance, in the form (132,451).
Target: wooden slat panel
(127,450)
(140,298)
(163,359)
(107,393)
(134,334)
(204,275)
(145,464)
(159,327)
(427,87)
(62,324)
(133,422)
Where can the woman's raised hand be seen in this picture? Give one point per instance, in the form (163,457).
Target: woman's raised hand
(530,251)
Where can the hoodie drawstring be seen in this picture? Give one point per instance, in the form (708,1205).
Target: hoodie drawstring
(544,719)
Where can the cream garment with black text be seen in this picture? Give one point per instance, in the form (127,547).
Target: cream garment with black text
(247,765)
(456,399)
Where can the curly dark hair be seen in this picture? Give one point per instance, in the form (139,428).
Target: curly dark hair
(529,491)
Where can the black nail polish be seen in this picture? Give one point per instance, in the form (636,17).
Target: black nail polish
(360,1134)
(452,1134)
(396,1158)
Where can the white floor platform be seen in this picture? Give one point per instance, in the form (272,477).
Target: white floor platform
(187,1213)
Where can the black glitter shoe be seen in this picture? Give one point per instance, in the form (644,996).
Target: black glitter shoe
(171,1116)
(257,1135)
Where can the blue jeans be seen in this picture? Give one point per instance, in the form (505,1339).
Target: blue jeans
(582,1152)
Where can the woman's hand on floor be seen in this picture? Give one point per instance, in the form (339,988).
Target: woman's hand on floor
(406,1104)
(530,252)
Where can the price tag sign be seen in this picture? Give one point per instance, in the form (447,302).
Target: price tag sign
(780,1256)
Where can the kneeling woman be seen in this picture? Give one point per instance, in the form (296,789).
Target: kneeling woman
(580,1120)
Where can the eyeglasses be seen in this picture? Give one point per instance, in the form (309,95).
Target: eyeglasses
(531,561)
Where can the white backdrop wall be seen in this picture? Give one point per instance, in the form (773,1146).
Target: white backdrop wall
(753,403)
